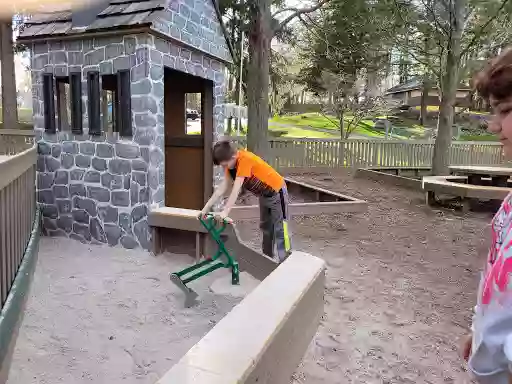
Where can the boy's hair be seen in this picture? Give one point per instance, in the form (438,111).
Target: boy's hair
(496,78)
(223,151)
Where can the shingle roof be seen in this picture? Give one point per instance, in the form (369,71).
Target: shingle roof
(413,84)
(119,13)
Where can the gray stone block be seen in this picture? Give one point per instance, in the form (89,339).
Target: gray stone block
(92,177)
(138,213)
(75,58)
(144,136)
(60,191)
(144,121)
(144,151)
(105,151)
(94,57)
(156,73)
(156,157)
(143,104)
(49,224)
(153,178)
(113,233)
(99,194)
(130,45)
(129,242)
(50,211)
(56,150)
(127,151)
(44,148)
(65,223)
(139,178)
(87,148)
(125,222)
(97,231)
(82,230)
(77,190)
(67,160)
(159,195)
(139,165)
(144,195)
(80,216)
(99,164)
(108,214)
(88,205)
(121,63)
(142,87)
(113,51)
(106,68)
(119,166)
(142,233)
(77,174)
(134,193)
(82,161)
(121,198)
(70,147)
(52,164)
(41,166)
(61,177)
(140,72)
(46,197)
(45,180)
(169,61)
(63,206)
(158,90)
(155,56)
(126,181)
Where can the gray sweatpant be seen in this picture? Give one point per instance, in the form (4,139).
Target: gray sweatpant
(274,224)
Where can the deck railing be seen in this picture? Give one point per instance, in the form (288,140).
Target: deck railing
(334,153)
(18,158)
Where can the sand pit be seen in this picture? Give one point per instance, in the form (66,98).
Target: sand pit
(108,315)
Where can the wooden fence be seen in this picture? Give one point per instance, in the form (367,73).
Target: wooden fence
(334,153)
(17,203)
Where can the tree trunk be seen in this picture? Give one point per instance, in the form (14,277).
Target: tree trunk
(449,84)
(340,117)
(258,69)
(9,96)
(424,97)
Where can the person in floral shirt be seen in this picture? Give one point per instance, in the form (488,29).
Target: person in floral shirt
(488,349)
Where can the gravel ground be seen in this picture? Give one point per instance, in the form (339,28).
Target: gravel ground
(108,315)
(401,283)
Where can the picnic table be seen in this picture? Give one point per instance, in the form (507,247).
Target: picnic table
(499,175)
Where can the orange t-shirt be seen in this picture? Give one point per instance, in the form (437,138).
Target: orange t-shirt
(260,178)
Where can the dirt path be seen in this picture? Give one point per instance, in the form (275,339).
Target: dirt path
(98,314)
(401,284)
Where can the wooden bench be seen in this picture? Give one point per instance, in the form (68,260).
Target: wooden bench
(456,186)
(257,264)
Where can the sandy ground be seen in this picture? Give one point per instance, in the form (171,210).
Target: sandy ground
(108,315)
(401,284)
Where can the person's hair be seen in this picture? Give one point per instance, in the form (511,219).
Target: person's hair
(496,78)
(223,151)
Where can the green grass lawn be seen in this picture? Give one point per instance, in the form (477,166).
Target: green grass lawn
(486,137)
(314,120)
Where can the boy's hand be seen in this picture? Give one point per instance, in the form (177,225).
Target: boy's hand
(466,346)
(222,217)
(202,214)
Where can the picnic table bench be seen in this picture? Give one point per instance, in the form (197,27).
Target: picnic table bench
(499,175)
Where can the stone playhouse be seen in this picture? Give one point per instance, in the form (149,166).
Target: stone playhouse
(98,175)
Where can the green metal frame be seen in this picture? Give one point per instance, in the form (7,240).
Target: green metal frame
(221,259)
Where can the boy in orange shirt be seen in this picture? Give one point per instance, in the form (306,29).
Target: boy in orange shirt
(243,169)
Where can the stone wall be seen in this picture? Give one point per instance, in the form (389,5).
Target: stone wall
(194,23)
(100,188)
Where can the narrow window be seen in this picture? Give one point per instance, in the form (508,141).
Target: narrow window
(123,112)
(193,110)
(94,97)
(63,106)
(49,103)
(75,87)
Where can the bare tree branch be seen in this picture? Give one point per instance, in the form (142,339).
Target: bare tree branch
(298,12)
(477,35)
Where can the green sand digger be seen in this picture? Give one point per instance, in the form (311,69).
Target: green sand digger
(222,259)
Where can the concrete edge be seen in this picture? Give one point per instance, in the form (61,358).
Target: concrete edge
(13,310)
(264,337)
(372,174)
(442,184)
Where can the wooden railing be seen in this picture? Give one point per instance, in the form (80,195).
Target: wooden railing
(334,153)
(17,203)
(15,141)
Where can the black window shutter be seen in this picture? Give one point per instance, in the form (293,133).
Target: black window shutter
(75,90)
(94,97)
(124,110)
(49,102)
